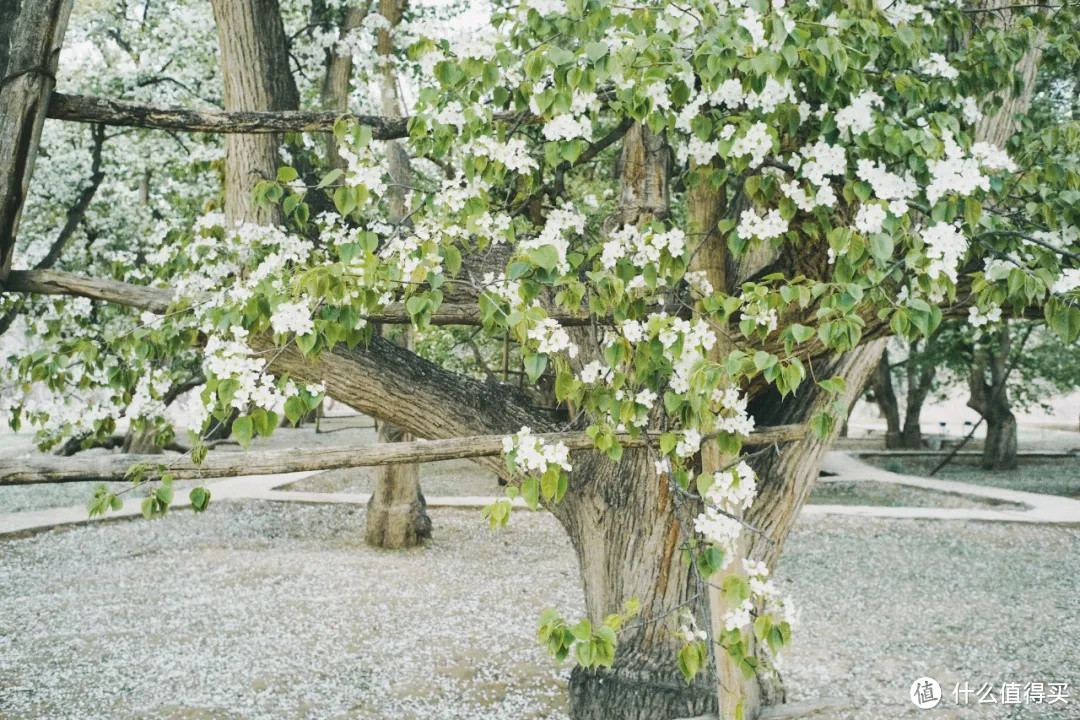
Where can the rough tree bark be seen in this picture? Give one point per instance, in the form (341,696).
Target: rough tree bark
(255,66)
(785,477)
(8,12)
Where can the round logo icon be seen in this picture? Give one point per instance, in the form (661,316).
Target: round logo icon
(925,693)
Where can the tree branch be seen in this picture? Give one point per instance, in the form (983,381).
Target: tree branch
(157,300)
(81,108)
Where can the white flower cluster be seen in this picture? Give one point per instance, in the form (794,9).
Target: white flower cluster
(594,371)
(1069,281)
(230,358)
(936,65)
(415,254)
(764,598)
(551,337)
(641,248)
(568,127)
(729,494)
(759,313)
(514,153)
(762,227)
(897,189)
(869,218)
(688,444)
(559,221)
(820,160)
(945,246)
(533,454)
(757,143)
(732,417)
(984,318)
(508,291)
(858,117)
(365,168)
(292,317)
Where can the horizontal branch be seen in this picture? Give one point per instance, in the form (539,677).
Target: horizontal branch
(100,468)
(82,108)
(57,282)
(157,300)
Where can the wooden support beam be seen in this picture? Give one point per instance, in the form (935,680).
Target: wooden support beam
(157,300)
(82,108)
(53,469)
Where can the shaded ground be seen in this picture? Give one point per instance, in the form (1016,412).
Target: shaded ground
(261,610)
(870,492)
(1058,476)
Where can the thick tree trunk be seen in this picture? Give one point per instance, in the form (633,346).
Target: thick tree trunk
(912,436)
(255,65)
(396,512)
(999,453)
(885,397)
(622,522)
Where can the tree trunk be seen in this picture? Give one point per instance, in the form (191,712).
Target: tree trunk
(396,512)
(920,379)
(32,58)
(255,66)
(990,398)
(396,516)
(999,453)
(885,397)
(622,522)
(337,81)
(8,12)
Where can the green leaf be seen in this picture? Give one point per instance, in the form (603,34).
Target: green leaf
(822,424)
(287,174)
(535,364)
(243,429)
(200,498)
(596,50)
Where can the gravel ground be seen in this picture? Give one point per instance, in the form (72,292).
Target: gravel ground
(263,610)
(870,492)
(1057,476)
